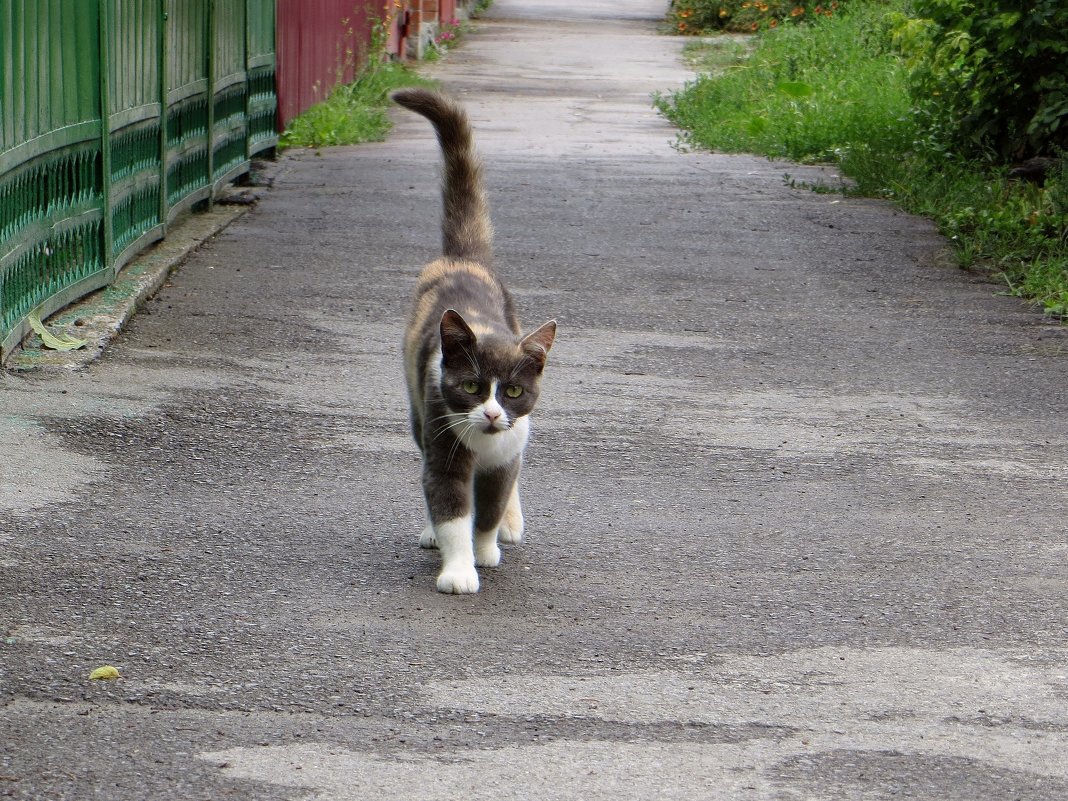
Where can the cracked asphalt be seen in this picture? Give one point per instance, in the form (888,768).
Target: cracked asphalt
(795,499)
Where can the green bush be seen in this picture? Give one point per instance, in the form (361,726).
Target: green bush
(989,77)
(790,100)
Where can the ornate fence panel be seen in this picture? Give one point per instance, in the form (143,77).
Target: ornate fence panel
(115,116)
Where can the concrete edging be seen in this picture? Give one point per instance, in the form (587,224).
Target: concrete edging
(101,315)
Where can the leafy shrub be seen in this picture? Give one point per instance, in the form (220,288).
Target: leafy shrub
(989,77)
(699,16)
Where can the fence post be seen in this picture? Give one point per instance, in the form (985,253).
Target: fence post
(248,84)
(211,102)
(164,77)
(104,60)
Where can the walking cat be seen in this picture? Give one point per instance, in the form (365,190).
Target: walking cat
(473,377)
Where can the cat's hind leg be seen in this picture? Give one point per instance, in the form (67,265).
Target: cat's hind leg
(511,530)
(428,539)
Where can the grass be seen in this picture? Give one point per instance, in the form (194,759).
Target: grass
(790,100)
(358,112)
(352,113)
(716,54)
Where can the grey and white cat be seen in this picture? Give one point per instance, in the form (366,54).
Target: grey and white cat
(473,377)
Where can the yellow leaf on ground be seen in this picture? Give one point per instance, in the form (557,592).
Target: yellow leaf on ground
(105,672)
(50,340)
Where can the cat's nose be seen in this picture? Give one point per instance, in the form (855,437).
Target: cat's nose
(492,415)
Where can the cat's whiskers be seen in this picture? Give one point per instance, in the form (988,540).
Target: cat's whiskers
(470,357)
(447,415)
(459,424)
(461,420)
(467,426)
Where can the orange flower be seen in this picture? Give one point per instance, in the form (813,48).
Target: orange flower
(772,22)
(723,13)
(754,26)
(797,12)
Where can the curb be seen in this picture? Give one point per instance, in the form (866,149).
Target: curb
(100,316)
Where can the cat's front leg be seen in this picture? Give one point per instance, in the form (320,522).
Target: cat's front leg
(447,487)
(487,554)
(494,491)
(458,575)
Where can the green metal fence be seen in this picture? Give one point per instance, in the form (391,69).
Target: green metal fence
(115,116)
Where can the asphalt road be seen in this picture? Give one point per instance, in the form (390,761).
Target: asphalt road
(795,500)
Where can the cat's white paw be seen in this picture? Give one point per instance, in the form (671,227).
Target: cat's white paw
(458,580)
(427,538)
(488,555)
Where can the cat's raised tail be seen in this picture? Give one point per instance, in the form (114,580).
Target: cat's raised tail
(466,232)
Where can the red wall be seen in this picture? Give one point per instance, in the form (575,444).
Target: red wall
(318,42)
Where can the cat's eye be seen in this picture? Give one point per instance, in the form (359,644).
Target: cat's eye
(470,387)
(513,390)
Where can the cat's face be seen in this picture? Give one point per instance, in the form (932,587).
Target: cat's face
(490,381)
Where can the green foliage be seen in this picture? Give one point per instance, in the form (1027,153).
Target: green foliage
(717,53)
(790,100)
(352,113)
(701,16)
(990,77)
(1012,229)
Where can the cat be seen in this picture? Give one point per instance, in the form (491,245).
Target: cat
(473,378)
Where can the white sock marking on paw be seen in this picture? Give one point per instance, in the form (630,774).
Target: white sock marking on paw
(487,554)
(455,542)
(458,580)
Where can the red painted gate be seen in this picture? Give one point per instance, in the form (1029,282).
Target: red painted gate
(320,43)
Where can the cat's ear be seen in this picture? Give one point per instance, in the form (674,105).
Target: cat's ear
(537,343)
(457,338)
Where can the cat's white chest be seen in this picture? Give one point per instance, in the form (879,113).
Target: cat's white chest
(495,450)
